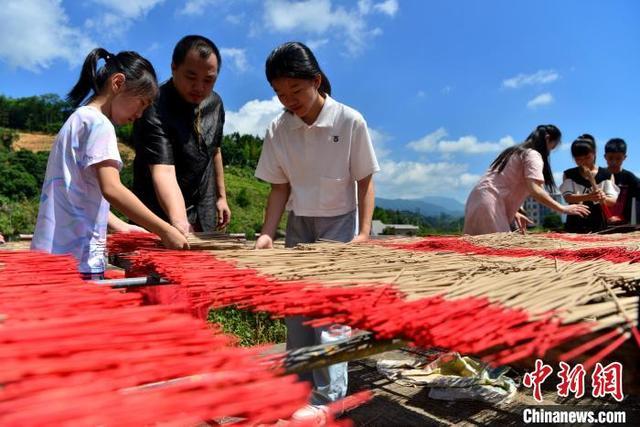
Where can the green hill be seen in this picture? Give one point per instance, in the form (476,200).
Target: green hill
(23,163)
(247,197)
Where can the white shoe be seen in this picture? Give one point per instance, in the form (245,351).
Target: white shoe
(312,415)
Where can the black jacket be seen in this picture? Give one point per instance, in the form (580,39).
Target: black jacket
(166,134)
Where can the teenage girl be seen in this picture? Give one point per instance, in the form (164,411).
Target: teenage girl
(319,159)
(519,171)
(83,171)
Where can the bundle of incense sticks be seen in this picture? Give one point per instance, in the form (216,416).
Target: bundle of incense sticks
(579,286)
(74,353)
(470,325)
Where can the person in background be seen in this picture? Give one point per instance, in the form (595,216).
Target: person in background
(519,171)
(615,153)
(82,179)
(317,155)
(178,171)
(2,239)
(588,185)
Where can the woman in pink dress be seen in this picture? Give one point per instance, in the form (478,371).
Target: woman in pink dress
(519,171)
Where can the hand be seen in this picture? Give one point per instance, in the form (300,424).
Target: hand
(172,238)
(264,242)
(224,213)
(601,196)
(360,238)
(592,197)
(580,210)
(132,228)
(521,222)
(183,226)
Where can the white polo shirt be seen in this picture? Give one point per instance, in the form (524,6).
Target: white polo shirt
(321,162)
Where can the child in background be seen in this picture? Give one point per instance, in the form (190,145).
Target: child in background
(83,170)
(615,153)
(578,187)
(519,171)
(313,155)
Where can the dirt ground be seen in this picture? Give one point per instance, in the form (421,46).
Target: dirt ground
(43,142)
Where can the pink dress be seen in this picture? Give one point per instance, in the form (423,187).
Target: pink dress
(494,201)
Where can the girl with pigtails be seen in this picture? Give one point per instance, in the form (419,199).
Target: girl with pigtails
(82,179)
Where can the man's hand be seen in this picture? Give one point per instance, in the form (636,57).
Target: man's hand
(172,238)
(223,212)
(183,226)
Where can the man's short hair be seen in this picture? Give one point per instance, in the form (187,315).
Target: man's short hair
(202,45)
(616,145)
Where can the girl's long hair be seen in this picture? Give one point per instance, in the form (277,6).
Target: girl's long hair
(295,60)
(140,77)
(536,141)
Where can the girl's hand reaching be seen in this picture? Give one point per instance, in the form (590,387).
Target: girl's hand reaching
(172,238)
(580,210)
(522,221)
(264,242)
(360,238)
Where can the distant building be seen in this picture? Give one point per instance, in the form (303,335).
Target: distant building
(378,228)
(536,211)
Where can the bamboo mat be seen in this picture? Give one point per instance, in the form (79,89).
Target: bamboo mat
(597,291)
(547,240)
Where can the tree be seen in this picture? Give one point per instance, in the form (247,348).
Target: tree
(241,150)
(7,136)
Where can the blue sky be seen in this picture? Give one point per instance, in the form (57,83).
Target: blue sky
(443,85)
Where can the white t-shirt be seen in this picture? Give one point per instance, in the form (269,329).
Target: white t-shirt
(73,215)
(321,162)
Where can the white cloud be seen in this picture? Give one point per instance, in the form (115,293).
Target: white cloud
(379,140)
(197,7)
(235,19)
(364,6)
(421,94)
(238,56)
(470,145)
(253,118)
(446,90)
(119,16)
(436,142)
(319,17)
(538,78)
(155,46)
(389,7)
(409,180)
(540,100)
(129,8)
(428,142)
(35,33)
(316,43)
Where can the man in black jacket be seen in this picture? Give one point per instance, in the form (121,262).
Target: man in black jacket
(178,170)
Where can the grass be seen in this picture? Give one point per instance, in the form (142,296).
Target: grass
(247,197)
(250,328)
